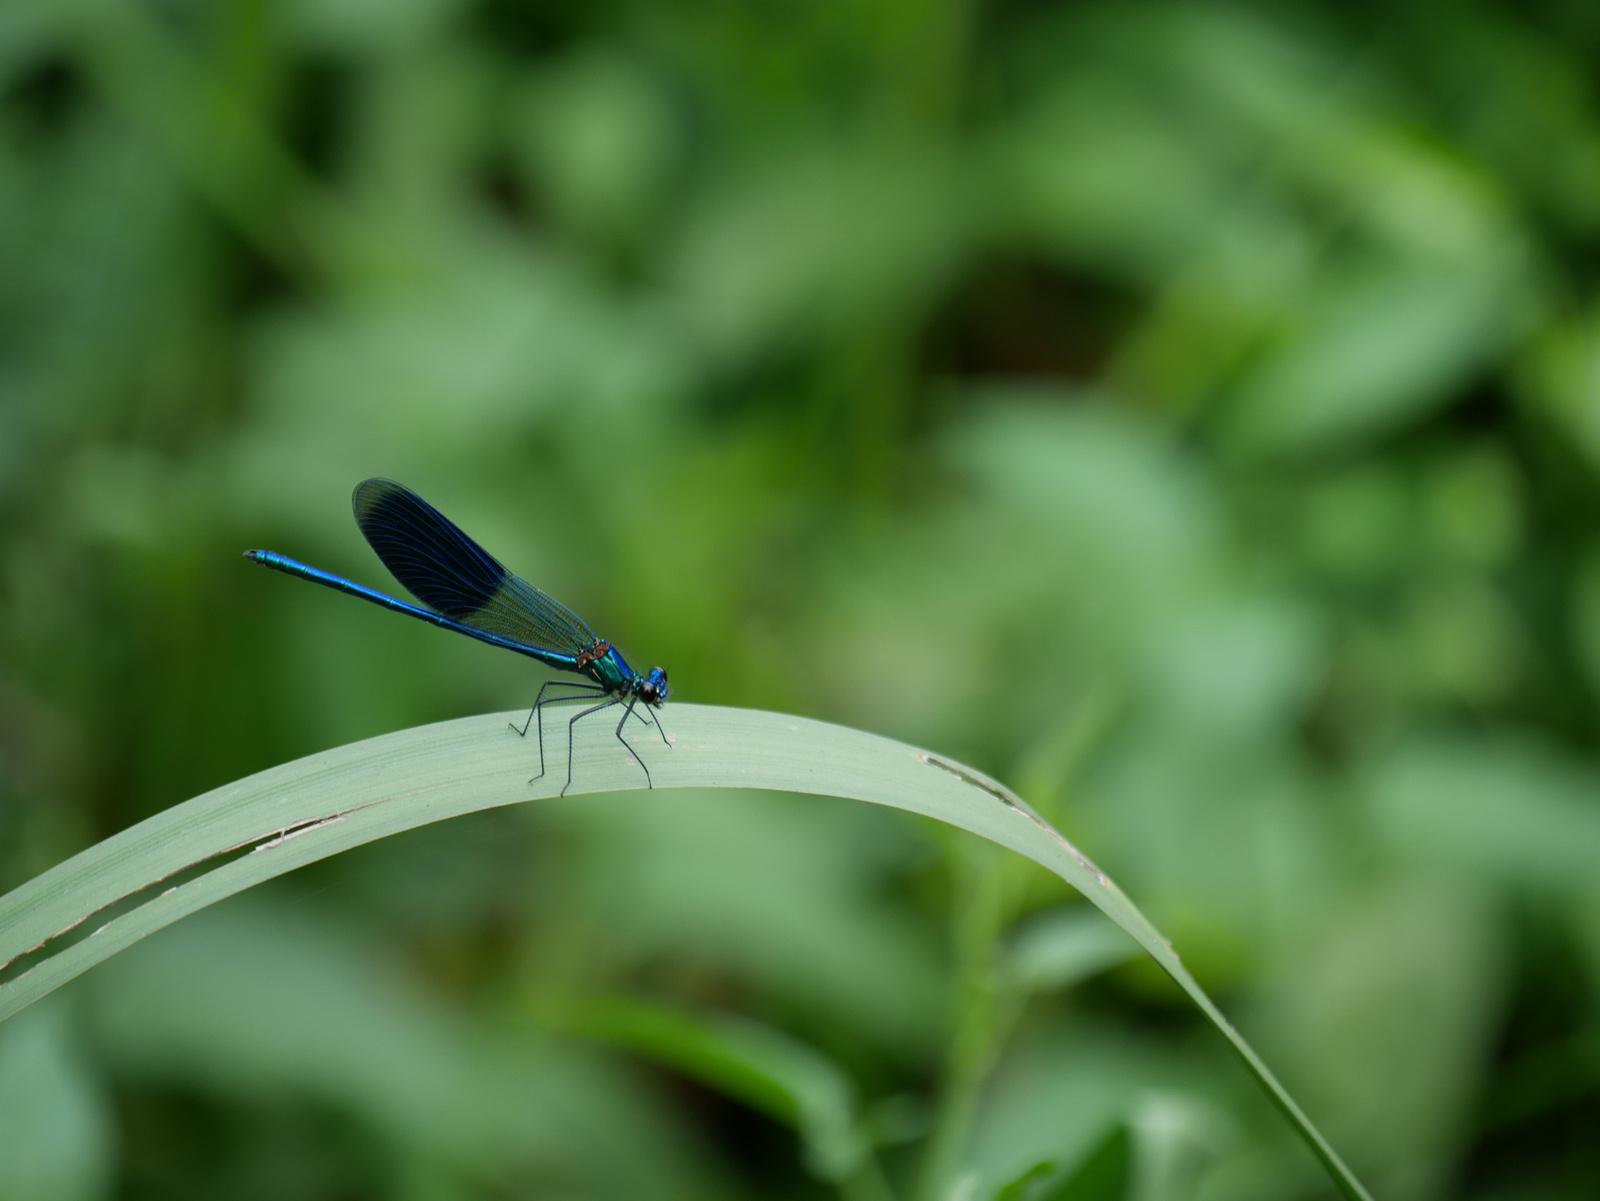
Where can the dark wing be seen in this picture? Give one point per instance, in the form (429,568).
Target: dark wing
(454,576)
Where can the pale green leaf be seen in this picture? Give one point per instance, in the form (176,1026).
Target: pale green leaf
(294,814)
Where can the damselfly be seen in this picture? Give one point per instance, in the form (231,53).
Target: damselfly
(464,588)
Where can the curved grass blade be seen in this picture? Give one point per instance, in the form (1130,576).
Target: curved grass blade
(86,909)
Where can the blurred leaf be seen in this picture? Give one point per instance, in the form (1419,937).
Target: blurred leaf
(822,243)
(200,112)
(1561,375)
(1236,668)
(1175,1137)
(57,1137)
(1226,840)
(1022,1187)
(1523,102)
(252,1002)
(1504,809)
(1386,1018)
(359,27)
(1061,1091)
(783,892)
(1063,947)
(601,139)
(501,338)
(1101,1175)
(1119,503)
(307,810)
(1378,349)
(753,1062)
(1096,172)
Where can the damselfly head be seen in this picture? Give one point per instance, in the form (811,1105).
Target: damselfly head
(653,688)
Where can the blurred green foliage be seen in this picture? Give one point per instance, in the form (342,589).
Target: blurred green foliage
(1190,413)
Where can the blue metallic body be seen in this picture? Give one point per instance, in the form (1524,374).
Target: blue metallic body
(557,659)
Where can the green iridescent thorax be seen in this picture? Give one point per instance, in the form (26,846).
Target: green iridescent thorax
(607,668)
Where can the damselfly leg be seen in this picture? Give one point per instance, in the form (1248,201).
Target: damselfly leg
(659,730)
(522,730)
(648,782)
(606,704)
(580,690)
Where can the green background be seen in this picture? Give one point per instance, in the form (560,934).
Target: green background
(1189,414)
